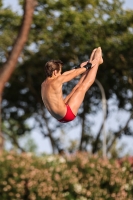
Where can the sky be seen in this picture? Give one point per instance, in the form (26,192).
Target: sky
(14,4)
(44,144)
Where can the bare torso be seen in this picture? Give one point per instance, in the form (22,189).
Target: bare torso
(52,97)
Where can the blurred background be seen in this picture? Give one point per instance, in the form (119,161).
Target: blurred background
(67,30)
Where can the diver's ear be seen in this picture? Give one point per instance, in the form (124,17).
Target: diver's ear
(55,72)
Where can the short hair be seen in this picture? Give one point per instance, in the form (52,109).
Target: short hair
(52,65)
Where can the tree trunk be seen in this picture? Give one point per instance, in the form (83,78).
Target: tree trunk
(1,135)
(83,131)
(9,66)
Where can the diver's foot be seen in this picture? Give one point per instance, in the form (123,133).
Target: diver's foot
(97,57)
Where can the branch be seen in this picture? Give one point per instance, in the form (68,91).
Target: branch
(48,134)
(118,134)
(53,143)
(14,141)
(21,39)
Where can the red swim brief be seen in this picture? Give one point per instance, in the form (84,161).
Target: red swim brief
(69,116)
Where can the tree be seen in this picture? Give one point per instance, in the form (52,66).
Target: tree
(9,66)
(69,31)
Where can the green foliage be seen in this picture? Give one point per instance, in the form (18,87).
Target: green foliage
(79,177)
(70,31)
